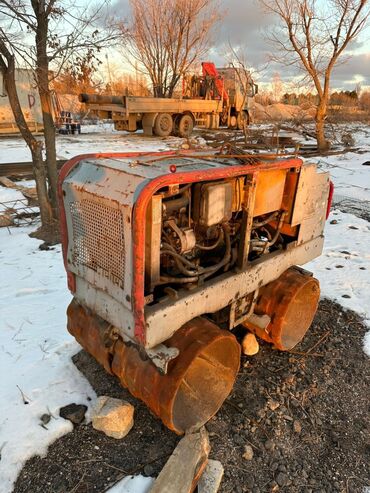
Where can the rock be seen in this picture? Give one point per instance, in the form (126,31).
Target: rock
(273,405)
(333,221)
(211,478)
(248,452)
(269,445)
(297,427)
(45,246)
(366,163)
(114,417)
(73,412)
(345,296)
(185,146)
(238,439)
(45,418)
(250,345)
(274,466)
(282,479)
(149,470)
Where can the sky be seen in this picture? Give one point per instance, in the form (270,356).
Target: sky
(245,24)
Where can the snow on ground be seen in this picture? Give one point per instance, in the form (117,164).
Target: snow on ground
(35,347)
(343,269)
(35,351)
(350,177)
(132,484)
(11,197)
(14,149)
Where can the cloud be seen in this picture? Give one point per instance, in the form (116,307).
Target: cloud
(245,26)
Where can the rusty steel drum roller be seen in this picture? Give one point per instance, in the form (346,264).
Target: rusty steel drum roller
(291,302)
(197,381)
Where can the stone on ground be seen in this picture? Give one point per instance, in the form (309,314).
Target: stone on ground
(114,417)
(73,412)
(248,452)
(250,345)
(211,478)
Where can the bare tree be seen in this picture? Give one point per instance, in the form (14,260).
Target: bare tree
(44,36)
(167,37)
(314,35)
(8,69)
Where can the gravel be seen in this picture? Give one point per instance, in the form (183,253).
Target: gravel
(315,440)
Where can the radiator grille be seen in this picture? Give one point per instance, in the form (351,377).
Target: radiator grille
(98,239)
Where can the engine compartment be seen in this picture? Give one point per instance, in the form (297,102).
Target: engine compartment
(197,231)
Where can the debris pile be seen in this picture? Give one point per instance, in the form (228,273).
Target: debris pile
(19,211)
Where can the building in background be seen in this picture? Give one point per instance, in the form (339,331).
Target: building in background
(29,100)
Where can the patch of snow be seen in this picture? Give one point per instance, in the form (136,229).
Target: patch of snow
(343,269)
(350,177)
(10,198)
(9,195)
(35,352)
(132,484)
(14,149)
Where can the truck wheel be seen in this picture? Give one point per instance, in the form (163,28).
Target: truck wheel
(185,126)
(233,122)
(163,125)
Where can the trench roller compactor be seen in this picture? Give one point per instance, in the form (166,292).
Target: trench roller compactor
(167,253)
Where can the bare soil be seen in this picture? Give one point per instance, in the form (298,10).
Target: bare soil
(304,413)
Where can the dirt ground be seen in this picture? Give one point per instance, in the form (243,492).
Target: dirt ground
(304,413)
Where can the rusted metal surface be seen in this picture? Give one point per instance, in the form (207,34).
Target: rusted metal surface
(64,172)
(269,191)
(291,302)
(92,332)
(155,177)
(140,214)
(223,291)
(197,381)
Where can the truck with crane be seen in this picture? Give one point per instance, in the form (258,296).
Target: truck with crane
(218,97)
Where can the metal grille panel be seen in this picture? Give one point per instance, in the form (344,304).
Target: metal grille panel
(98,239)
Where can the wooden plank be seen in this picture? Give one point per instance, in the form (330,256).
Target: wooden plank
(183,469)
(22,167)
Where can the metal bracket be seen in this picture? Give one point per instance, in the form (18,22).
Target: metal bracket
(161,355)
(242,308)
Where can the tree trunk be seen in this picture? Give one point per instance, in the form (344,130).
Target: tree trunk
(39,173)
(34,145)
(322,143)
(42,75)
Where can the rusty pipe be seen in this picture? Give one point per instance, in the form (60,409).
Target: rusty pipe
(291,302)
(197,381)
